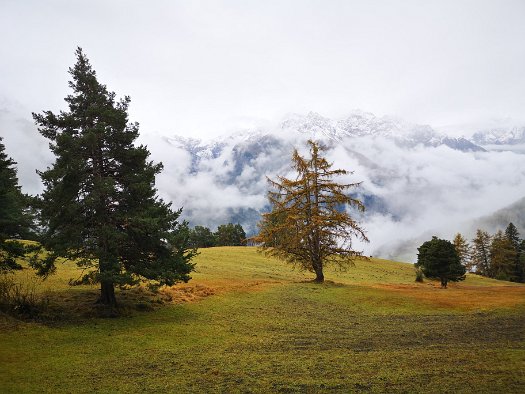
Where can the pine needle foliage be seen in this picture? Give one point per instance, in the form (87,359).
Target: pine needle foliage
(308,225)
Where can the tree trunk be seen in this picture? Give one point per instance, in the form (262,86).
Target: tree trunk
(319,276)
(444,283)
(107,294)
(318,269)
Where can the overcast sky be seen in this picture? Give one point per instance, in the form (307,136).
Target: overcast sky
(200,68)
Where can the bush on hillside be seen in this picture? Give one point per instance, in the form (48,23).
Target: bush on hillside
(19,299)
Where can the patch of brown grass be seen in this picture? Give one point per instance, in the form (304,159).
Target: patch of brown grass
(196,291)
(461,296)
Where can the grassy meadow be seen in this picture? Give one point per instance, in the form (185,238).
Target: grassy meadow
(248,323)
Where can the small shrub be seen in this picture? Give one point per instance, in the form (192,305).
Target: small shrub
(419,275)
(19,299)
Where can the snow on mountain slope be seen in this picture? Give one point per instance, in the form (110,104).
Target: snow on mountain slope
(357,124)
(500,136)
(360,124)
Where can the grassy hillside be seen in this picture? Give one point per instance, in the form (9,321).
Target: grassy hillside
(246,323)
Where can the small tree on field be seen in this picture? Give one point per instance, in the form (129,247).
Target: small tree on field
(308,225)
(438,259)
(99,206)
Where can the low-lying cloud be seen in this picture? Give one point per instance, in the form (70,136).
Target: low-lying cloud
(411,193)
(431,191)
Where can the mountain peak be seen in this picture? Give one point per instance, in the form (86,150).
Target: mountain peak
(500,136)
(365,124)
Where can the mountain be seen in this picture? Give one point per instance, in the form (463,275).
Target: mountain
(500,136)
(366,124)
(358,124)
(500,219)
(416,182)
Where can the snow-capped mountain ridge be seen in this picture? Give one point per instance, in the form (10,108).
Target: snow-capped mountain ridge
(312,125)
(500,136)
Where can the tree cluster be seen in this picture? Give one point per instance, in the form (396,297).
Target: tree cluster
(500,256)
(226,235)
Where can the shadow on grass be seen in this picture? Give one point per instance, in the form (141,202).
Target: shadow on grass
(326,283)
(78,306)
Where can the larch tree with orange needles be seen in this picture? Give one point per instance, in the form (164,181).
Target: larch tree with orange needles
(308,225)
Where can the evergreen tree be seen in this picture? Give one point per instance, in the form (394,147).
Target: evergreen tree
(512,234)
(308,225)
(438,259)
(230,235)
(480,256)
(15,223)
(521,267)
(502,258)
(201,237)
(463,250)
(100,206)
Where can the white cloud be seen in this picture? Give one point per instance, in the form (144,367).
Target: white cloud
(25,146)
(435,190)
(417,192)
(421,191)
(192,67)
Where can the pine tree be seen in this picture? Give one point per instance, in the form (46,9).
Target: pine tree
(463,250)
(15,223)
(512,234)
(308,225)
(438,258)
(100,206)
(480,257)
(502,258)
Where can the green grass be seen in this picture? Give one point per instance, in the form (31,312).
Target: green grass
(246,323)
